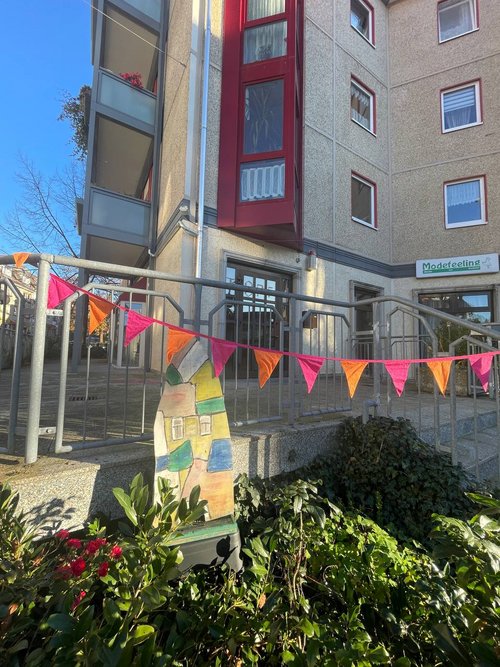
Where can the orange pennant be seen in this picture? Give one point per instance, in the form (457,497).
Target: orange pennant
(266,361)
(99,309)
(441,372)
(353,371)
(20,258)
(176,341)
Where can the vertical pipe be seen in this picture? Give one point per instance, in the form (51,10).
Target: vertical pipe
(63,375)
(16,375)
(37,361)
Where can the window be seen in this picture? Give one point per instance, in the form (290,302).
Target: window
(465,203)
(363,201)
(205,425)
(362,19)
(260,156)
(456,18)
(461,107)
(177,428)
(362,105)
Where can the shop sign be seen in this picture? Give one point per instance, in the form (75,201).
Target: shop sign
(457,266)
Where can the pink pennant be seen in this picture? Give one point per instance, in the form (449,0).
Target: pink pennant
(58,291)
(221,351)
(310,366)
(136,324)
(398,370)
(481,365)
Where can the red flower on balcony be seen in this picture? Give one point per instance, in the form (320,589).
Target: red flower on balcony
(134,78)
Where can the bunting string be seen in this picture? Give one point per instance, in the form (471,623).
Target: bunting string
(267,360)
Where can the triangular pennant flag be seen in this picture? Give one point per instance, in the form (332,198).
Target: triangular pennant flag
(20,258)
(266,361)
(310,366)
(99,309)
(441,372)
(398,370)
(136,323)
(58,291)
(481,365)
(176,341)
(221,351)
(353,371)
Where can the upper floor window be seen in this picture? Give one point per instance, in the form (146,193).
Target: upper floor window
(465,203)
(461,107)
(363,201)
(456,18)
(362,19)
(362,105)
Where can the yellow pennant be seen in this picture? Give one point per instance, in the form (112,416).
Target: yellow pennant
(353,371)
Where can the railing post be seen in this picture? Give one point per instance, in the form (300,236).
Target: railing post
(377,370)
(78,334)
(197,306)
(294,346)
(16,375)
(63,376)
(37,360)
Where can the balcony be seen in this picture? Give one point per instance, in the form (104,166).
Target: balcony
(119,96)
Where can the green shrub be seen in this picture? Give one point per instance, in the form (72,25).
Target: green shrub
(382,468)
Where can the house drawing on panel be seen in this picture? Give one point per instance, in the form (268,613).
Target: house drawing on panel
(191,433)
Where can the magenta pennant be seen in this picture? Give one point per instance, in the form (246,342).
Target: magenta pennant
(310,366)
(481,365)
(221,351)
(398,370)
(58,291)
(136,323)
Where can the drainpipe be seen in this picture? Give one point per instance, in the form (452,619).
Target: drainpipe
(203,139)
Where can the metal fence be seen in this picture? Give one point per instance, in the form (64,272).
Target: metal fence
(110,395)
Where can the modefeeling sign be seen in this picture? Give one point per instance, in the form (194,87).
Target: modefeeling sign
(457,266)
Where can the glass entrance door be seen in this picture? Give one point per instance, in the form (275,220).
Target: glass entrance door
(133,354)
(254,318)
(363,324)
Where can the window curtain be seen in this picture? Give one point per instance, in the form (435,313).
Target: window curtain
(262,181)
(455,19)
(460,194)
(459,108)
(360,106)
(264,42)
(257,9)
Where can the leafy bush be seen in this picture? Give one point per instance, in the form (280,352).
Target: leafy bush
(383,469)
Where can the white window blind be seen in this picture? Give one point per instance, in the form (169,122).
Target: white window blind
(264,180)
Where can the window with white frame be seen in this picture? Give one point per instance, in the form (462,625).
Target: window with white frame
(456,18)
(461,107)
(362,19)
(362,106)
(177,428)
(363,201)
(205,425)
(465,203)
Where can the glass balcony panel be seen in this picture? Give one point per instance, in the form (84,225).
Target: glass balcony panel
(125,98)
(119,214)
(264,179)
(149,7)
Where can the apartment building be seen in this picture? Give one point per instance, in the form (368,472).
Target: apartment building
(342,149)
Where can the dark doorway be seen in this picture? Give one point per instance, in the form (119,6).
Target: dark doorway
(363,324)
(254,318)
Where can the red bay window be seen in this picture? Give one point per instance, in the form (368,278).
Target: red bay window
(260,164)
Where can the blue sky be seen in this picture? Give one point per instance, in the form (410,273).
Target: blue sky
(45,51)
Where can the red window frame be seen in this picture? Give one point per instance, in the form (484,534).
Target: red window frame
(264,217)
(357,82)
(371,11)
(367,181)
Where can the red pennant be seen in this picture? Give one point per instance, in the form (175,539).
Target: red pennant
(221,351)
(481,365)
(398,370)
(136,324)
(310,366)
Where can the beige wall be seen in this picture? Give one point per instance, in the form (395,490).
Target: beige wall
(422,157)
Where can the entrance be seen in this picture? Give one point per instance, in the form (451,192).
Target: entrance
(363,324)
(255,319)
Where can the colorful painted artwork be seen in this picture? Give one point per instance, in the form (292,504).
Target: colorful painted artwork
(191,433)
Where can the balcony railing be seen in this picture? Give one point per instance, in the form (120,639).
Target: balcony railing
(151,8)
(121,96)
(118,217)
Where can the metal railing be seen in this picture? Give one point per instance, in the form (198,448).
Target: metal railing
(112,396)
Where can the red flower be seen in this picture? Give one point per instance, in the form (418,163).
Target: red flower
(64,571)
(77,566)
(62,534)
(73,543)
(101,541)
(78,599)
(116,552)
(103,569)
(94,545)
